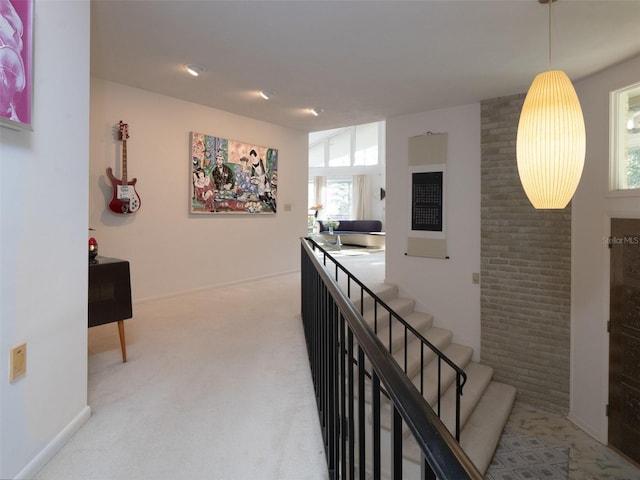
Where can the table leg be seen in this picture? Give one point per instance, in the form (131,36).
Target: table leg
(123,346)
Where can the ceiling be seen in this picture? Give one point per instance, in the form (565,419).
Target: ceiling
(360,61)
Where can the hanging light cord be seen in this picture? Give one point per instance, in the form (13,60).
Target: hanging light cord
(550,2)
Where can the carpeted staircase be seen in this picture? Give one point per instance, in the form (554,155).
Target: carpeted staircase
(485,404)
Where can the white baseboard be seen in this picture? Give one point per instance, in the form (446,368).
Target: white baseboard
(239,281)
(49,451)
(578,422)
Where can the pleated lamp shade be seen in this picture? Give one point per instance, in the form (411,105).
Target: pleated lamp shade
(551,141)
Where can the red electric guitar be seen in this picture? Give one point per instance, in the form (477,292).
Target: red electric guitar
(125,198)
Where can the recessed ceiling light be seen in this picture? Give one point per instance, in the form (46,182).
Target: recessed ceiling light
(194,69)
(315,111)
(266,94)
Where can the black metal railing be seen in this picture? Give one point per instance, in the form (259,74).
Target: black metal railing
(407,331)
(346,356)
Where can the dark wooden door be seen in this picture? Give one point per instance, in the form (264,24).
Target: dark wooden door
(624,338)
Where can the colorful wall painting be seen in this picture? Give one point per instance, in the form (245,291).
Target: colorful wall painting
(232,177)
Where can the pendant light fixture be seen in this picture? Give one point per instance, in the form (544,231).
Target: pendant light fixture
(551,140)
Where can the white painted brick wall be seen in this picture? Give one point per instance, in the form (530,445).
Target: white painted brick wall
(525,271)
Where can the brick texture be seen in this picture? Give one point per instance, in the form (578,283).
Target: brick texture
(525,271)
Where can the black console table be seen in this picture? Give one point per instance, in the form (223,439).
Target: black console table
(110,295)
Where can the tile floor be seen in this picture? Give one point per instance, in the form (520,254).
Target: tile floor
(588,459)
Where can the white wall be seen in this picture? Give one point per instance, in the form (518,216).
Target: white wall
(43,247)
(592,210)
(170,250)
(443,288)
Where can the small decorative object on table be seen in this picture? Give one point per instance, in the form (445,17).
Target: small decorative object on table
(312,222)
(332,224)
(315,208)
(93,249)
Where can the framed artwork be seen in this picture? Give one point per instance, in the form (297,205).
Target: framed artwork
(16,63)
(426,201)
(232,177)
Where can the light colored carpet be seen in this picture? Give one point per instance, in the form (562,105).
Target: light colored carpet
(216,386)
(367,264)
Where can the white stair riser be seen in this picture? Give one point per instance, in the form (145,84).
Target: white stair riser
(485,405)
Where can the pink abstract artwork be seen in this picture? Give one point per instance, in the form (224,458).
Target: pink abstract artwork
(16,51)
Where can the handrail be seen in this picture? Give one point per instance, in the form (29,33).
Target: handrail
(461,375)
(441,453)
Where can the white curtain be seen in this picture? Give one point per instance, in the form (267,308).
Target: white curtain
(360,203)
(320,190)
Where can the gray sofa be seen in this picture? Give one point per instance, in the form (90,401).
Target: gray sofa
(353,226)
(363,233)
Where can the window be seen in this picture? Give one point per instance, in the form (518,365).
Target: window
(345,147)
(316,155)
(336,200)
(366,151)
(340,149)
(625,139)
(336,158)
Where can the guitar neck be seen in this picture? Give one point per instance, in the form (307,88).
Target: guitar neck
(124,162)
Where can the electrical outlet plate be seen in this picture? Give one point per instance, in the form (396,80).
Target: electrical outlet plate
(17,362)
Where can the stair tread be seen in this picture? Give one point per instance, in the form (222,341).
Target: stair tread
(483,429)
(441,339)
(415,317)
(422,323)
(481,434)
(401,305)
(460,355)
(478,378)
(384,291)
(485,404)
